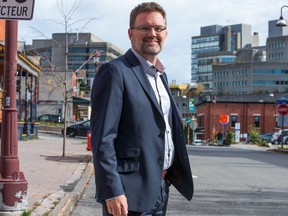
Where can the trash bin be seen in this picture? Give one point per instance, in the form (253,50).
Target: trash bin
(88,141)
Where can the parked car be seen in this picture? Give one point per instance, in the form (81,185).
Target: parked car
(266,137)
(50,118)
(78,129)
(277,137)
(198,142)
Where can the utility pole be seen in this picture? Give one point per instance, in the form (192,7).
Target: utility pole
(13,185)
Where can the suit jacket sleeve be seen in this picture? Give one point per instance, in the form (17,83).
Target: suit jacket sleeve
(106,101)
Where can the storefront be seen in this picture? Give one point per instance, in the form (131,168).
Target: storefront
(26,93)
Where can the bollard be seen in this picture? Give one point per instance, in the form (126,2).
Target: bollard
(88,141)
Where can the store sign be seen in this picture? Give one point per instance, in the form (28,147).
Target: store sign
(16,9)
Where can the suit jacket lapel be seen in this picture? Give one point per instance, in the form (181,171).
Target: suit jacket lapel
(142,78)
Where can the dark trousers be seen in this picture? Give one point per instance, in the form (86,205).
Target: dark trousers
(159,209)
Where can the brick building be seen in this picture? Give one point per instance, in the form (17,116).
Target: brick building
(261,115)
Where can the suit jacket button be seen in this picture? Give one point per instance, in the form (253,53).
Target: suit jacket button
(160,159)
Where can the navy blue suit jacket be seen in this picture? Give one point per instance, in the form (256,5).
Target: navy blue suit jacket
(127,136)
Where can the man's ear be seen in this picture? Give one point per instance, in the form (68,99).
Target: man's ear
(130,33)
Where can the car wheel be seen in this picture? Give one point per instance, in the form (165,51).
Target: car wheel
(71,133)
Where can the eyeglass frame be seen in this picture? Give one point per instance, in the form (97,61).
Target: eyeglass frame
(145,29)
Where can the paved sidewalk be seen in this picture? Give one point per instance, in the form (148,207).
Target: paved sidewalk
(51,178)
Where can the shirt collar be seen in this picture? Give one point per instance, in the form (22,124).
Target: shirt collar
(148,67)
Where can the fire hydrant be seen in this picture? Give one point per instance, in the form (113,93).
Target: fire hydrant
(88,141)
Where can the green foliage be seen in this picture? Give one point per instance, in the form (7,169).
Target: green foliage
(26,213)
(264,143)
(229,137)
(254,135)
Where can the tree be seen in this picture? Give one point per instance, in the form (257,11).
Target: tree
(62,79)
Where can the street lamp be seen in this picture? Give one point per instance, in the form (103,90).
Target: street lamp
(194,127)
(275,96)
(281,22)
(94,55)
(213,127)
(96,58)
(13,185)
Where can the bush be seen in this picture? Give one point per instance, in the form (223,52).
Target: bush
(254,135)
(229,138)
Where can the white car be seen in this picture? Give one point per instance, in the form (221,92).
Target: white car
(197,142)
(277,137)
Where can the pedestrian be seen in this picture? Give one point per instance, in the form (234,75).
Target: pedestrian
(220,137)
(136,130)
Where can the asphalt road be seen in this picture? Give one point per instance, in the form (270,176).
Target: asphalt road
(228,181)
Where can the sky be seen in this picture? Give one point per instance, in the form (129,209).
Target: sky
(184,20)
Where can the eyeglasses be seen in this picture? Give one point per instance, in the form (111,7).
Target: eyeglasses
(146,29)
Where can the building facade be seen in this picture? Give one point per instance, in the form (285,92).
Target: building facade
(258,115)
(256,69)
(217,45)
(78,74)
(258,111)
(27,89)
(250,78)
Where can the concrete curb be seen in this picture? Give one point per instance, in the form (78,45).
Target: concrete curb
(62,203)
(68,202)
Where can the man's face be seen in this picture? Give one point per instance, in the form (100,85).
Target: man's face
(148,34)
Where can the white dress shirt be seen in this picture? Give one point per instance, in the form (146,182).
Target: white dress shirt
(153,73)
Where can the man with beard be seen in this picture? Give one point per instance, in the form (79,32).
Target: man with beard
(136,130)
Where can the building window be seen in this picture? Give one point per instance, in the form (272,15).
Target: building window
(234,119)
(256,120)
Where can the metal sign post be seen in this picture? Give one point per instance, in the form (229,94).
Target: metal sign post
(13,185)
(282,110)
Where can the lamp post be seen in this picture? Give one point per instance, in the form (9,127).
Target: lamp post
(96,58)
(213,125)
(190,86)
(194,127)
(275,96)
(281,22)
(13,185)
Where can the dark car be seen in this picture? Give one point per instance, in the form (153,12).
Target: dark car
(266,137)
(78,129)
(50,118)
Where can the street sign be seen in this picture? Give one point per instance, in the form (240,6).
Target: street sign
(281,101)
(188,121)
(283,109)
(191,105)
(16,9)
(194,125)
(224,119)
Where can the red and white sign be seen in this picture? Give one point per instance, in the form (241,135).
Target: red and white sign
(283,109)
(224,119)
(16,9)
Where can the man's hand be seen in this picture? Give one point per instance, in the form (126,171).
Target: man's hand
(118,206)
